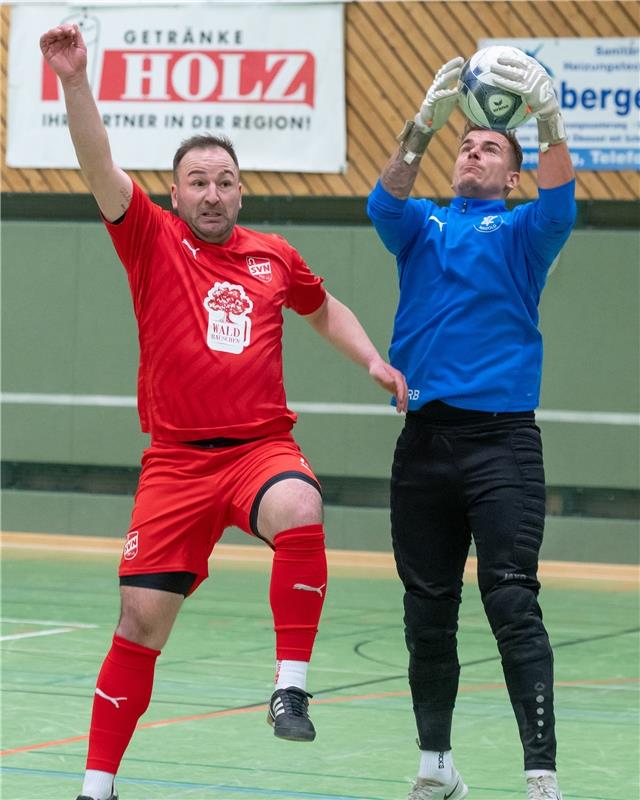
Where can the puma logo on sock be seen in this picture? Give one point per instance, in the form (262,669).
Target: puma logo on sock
(306,588)
(114,700)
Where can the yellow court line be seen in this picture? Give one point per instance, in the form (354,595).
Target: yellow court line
(625,576)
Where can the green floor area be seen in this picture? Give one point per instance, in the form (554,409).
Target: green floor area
(215,674)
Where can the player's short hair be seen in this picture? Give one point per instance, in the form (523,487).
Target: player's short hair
(510,136)
(202,142)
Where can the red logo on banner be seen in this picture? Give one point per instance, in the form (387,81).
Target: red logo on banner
(185,76)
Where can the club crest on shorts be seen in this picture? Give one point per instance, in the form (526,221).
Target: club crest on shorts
(259,268)
(229,327)
(130,550)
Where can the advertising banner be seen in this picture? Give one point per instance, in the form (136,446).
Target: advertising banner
(268,76)
(598,86)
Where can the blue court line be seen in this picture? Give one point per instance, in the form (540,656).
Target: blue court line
(252,790)
(249,790)
(211,765)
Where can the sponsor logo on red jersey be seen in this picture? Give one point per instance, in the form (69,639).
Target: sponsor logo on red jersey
(260,268)
(229,327)
(131,546)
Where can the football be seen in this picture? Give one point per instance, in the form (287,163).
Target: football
(484,103)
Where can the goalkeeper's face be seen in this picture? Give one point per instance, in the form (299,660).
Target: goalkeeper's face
(485,166)
(207,193)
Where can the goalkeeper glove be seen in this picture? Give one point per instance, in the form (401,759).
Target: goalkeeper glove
(527,77)
(439,102)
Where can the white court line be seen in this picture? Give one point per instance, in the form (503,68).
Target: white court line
(33,634)
(46,622)
(102,400)
(351,409)
(631,687)
(56,548)
(116,549)
(54,628)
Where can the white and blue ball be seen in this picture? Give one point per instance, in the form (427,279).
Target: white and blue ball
(482,102)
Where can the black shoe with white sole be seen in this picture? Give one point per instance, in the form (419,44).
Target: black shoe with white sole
(289,715)
(114,796)
(84,797)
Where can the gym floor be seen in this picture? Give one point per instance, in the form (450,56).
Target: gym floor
(204,734)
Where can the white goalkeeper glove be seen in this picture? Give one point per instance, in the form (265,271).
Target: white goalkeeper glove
(439,102)
(442,96)
(527,77)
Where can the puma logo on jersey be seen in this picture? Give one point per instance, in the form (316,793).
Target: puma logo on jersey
(306,588)
(194,250)
(440,222)
(114,700)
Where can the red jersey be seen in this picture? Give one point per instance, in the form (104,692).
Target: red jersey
(210,324)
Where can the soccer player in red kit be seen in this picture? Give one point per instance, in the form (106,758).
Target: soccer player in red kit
(208,298)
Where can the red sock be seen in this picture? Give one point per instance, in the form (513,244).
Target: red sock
(298,584)
(126,678)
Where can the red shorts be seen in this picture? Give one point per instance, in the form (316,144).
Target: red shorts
(188,495)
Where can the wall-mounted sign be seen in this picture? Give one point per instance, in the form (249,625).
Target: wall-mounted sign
(598,86)
(269,76)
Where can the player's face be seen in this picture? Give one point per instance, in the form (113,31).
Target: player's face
(207,193)
(484,166)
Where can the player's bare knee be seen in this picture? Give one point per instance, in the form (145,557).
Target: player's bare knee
(306,510)
(289,503)
(145,632)
(147,616)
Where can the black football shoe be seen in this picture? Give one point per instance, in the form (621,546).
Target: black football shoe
(289,715)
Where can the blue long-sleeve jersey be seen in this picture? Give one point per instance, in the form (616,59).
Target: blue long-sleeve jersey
(471,275)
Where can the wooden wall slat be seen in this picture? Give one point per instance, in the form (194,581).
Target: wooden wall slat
(599,22)
(626,16)
(420,26)
(392,50)
(551,20)
(256,183)
(375,86)
(358,178)
(376,143)
(578,14)
(538,17)
(381,63)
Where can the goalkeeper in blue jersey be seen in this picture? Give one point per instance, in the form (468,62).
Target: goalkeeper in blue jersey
(468,462)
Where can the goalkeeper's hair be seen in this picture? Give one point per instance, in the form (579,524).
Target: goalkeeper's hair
(509,135)
(203,142)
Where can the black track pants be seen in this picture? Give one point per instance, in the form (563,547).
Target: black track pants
(457,474)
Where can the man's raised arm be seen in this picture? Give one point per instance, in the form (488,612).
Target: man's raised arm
(65,51)
(341,328)
(399,174)
(528,77)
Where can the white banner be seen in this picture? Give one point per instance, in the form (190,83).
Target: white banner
(268,76)
(598,86)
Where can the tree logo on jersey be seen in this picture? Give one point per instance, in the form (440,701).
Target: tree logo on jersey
(259,268)
(229,327)
(489,223)
(130,546)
